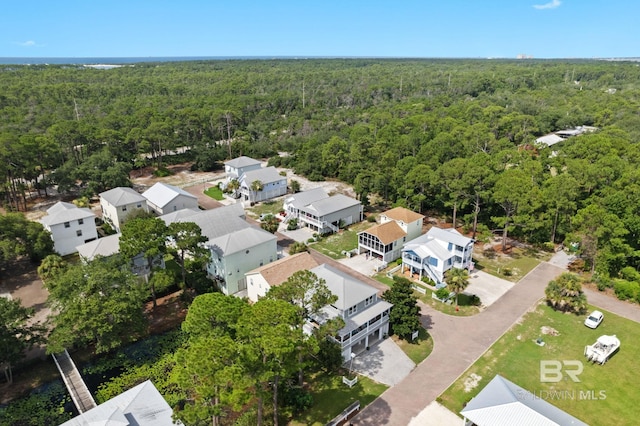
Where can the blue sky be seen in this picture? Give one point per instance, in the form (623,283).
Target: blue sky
(370,28)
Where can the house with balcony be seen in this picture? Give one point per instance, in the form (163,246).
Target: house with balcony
(385,240)
(70,226)
(329,214)
(294,202)
(163,198)
(366,316)
(262,279)
(118,203)
(437,251)
(236,246)
(272,185)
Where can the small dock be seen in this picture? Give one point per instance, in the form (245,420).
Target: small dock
(75,384)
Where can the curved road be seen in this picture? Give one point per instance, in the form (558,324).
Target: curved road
(458,343)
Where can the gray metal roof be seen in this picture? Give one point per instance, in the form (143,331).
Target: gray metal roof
(333,204)
(214,223)
(266,175)
(305,198)
(122,196)
(243,239)
(105,246)
(550,139)
(141,405)
(363,317)
(503,403)
(161,194)
(65,212)
(241,161)
(349,290)
(428,248)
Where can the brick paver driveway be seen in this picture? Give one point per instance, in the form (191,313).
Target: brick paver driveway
(458,342)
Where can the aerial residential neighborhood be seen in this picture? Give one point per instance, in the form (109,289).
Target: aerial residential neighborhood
(326,242)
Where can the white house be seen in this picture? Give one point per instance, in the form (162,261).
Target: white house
(239,166)
(437,251)
(70,226)
(262,279)
(385,240)
(503,403)
(141,405)
(272,183)
(163,198)
(329,214)
(366,316)
(236,246)
(118,203)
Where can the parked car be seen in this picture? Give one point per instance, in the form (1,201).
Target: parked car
(594,319)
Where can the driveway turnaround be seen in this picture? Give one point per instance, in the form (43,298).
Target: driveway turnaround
(458,343)
(385,363)
(487,287)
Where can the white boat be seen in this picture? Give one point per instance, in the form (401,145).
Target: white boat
(602,349)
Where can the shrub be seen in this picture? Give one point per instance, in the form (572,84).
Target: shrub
(629,273)
(371,218)
(626,290)
(577,265)
(548,246)
(442,293)
(603,282)
(474,300)
(297,247)
(292,225)
(427,280)
(507,272)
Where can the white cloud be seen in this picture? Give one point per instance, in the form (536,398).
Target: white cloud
(28,43)
(551,5)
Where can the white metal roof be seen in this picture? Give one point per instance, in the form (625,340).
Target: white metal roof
(305,198)
(266,175)
(141,405)
(161,194)
(349,290)
(241,240)
(449,235)
(105,246)
(65,212)
(550,139)
(122,196)
(241,161)
(503,403)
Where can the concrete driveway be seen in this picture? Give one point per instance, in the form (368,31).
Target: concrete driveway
(487,287)
(366,266)
(385,363)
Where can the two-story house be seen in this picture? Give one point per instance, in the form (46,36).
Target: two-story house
(294,202)
(110,246)
(236,246)
(437,251)
(366,316)
(163,198)
(271,185)
(238,166)
(118,203)
(385,240)
(70,226)
(327,215)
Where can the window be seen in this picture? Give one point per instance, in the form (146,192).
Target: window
(80,221)
(66,224)
(124,208)
(352,310)
(369,300)
(450,246)
(433,261)
(138,205)
(79,232)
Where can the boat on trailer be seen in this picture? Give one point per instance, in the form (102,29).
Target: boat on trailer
(602,349)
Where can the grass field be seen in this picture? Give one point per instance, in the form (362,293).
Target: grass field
(331,396)
(517,357)
(420,349)
(512,266)
(345,240)
(215,193)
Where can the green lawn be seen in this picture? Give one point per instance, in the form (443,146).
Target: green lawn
(420,349)
(266,207)
(517,357)
(345,240)
(215,193)
(331,396)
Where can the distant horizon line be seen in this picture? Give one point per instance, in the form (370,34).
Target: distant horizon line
(84,60)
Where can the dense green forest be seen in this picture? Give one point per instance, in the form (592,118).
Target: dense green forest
(455,137)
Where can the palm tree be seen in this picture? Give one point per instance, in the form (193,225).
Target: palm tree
(457,279)
(256,186)
(565,294)
(233,186)
(50,266)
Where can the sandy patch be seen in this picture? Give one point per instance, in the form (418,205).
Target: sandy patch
(471,382)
